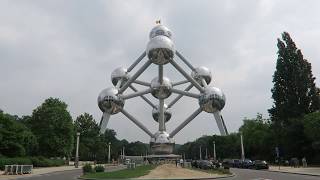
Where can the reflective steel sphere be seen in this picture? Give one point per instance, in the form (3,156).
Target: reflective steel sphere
(212,99)
(160,30)
(162,143)
(119,73)
(156,115)
(161,91)
(202,73)
(109,101)
(160,50)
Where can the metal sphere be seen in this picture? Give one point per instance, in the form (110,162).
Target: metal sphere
(109,101)
(161,91)
(212,99)
(156,115)
(160,50)
(160,30)
(161,143)
(119,73)
(202,73)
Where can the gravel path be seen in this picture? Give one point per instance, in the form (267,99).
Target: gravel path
(170,171)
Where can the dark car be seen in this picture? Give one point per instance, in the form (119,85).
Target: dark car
(259,164)
(227,163)
(236,163)
(205,164)
(247,164)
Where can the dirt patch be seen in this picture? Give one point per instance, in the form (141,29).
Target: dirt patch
(170,171)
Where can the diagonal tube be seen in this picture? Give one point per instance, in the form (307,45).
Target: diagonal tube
(135,94)
(185,61)
(219,121)
(142,83)
(187,121)
(135,121)
(186,75)
(137,61)
(143,97)
(179,96)
(104,122)
(135,76)
(185,93)
(224,125)
(180,82)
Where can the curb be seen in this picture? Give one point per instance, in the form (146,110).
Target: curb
(286,172)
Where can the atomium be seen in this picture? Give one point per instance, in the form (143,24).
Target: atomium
(109,101)
(202,73)
(119,74)
(161,90)
(156,112)
(160,51)
(212,99)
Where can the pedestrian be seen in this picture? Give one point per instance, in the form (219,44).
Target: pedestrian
(176,162)
(181,162)
(304,162)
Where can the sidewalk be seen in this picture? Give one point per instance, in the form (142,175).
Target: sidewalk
(313,171)
(38,171)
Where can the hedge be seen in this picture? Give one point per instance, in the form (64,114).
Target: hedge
(35,161)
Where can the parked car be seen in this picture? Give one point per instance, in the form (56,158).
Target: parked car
(227,163)
(247,164)
(195,163)
(205,164)
(236,163)
(259,164)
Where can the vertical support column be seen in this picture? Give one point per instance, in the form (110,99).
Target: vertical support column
(162,126)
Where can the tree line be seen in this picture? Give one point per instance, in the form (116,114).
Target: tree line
(51,132)
(294,124)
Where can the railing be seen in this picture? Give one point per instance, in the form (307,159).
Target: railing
(18,169)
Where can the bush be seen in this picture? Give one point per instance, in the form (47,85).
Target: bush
(19,161)
(45,162)
(87,168)
(99,168)
(35,161)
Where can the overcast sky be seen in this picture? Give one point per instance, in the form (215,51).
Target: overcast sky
(68,49)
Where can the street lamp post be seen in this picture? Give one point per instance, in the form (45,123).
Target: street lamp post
(109,152)
(242,149)
(214,151)
(200,155)
(76,162)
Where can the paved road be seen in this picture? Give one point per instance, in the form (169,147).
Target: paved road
(241,174)
(62,175)
(248,174)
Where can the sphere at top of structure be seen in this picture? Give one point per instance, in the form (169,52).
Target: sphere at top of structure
(160,50)
(119,74)
(160,30)
(161,91)
(156,113)
(109,101)
(212,99)
(201,73)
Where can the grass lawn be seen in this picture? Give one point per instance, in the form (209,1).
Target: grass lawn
(125,173)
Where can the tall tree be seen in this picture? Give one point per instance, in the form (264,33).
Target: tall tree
(294,92)
(53,127)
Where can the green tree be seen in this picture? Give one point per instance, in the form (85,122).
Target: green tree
(294,92)
(89,136)
(53,127)
(15,139)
